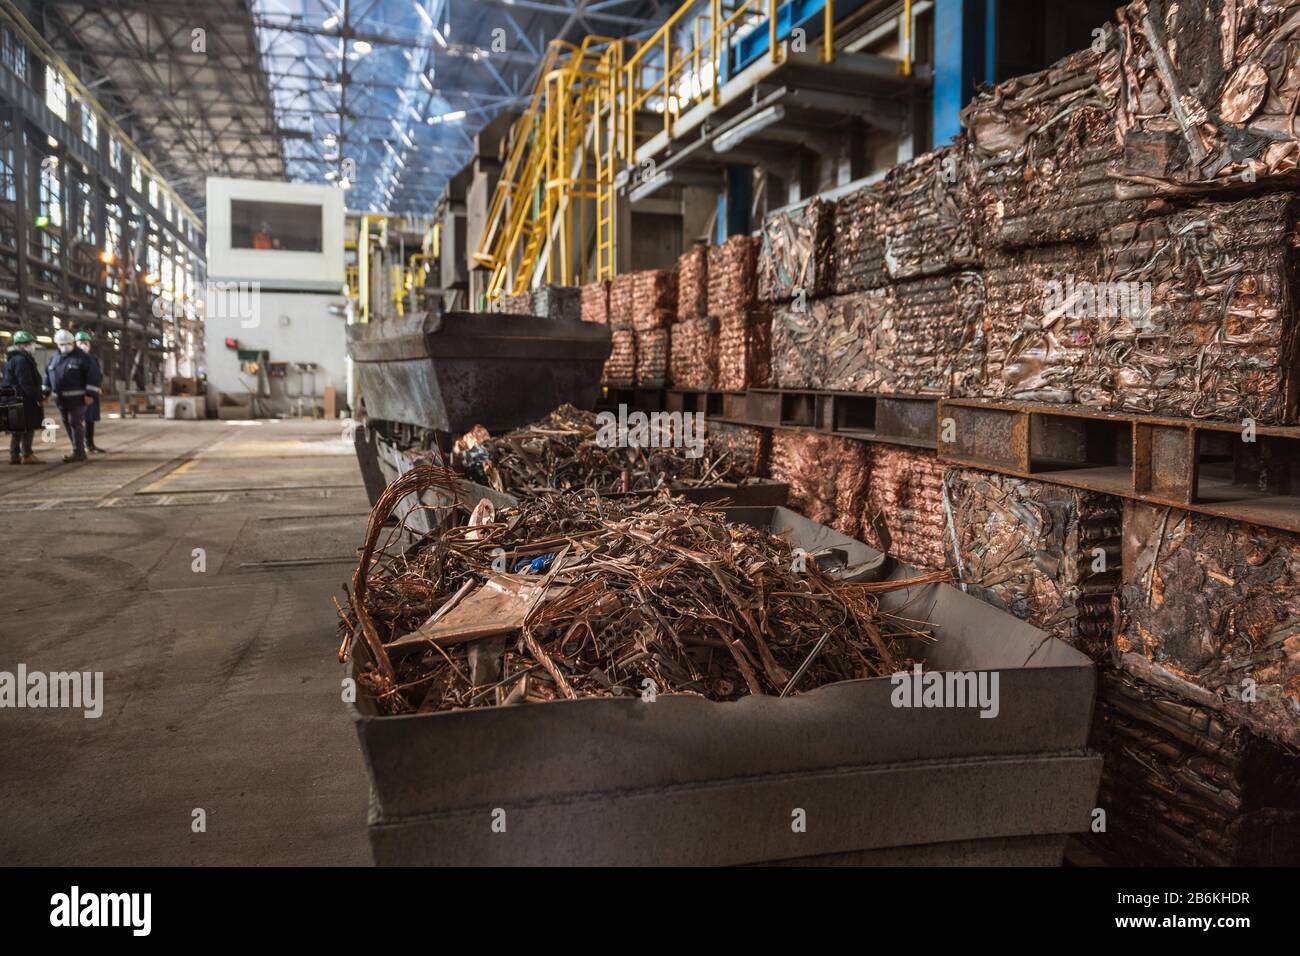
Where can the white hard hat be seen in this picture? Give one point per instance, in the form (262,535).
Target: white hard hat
(63,337)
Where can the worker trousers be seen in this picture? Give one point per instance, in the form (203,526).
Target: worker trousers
(74,420)
(20,443)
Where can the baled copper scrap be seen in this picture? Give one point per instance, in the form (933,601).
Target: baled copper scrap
(693,354)
(652,347)
(795,257)
(620,367)
(693,284)
(595,302)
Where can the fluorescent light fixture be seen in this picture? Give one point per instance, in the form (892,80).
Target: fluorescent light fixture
(426,82)
(438,36)
(362,46)
(345,183)
(330,22)
(424,14)
(453,116)
(329,139)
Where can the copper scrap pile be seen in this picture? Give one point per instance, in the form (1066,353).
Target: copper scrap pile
(927,226)
(603,599)
(620,301)
(795,257)
(732,282)
(744,324)
(1215,602)
(620,367)
(654,299)
(652,347)
(1029,548)
(693,284)
(595,302)
(905,495)
(567,451)
(859,246)
(1212,796)
(693,354)
(558,302)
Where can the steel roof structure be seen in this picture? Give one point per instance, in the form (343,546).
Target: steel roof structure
(383,96)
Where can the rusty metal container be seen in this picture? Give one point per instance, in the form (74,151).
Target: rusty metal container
(687,781)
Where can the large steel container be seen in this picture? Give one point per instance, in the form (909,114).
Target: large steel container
(449,372)
(683,780)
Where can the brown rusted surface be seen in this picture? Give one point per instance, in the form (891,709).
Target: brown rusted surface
(1049,555)
(620,301)
(595,302)
(693,354)
(693,284)
(1217,603)
(827,476)
(620,367)
(652,348)
(795,258)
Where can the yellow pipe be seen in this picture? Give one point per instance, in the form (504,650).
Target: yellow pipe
(771,31)
(828,31)
(907,37)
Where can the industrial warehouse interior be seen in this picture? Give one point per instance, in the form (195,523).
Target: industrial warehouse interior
(624,433)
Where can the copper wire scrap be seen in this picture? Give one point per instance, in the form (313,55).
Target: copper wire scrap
(565,451)
(604,598)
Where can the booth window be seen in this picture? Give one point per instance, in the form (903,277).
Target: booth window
(293,227)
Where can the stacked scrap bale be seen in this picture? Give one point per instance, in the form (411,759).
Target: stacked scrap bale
(750,448)
(744,324)
(652,348)
(905,493)
(795,259)
(693,359)
(924,221)
(1217,604)
(557,302)
(859,252)
(654,307)
(693,284)
(1182,786)
(827,476)
(620,301)
(521,303)
(620,367)
(595,302)
(1047,554)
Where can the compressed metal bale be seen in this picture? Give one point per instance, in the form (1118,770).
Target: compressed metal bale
(745,350)
(732,279)
(924,217)
(795,257)
(620,301)
(750,448)
(521,303)
(693,284)
(595,302)
(654,299)
(827,476)
(920,339)
(1209,94)
(859,245)
(798,343)
(693,354)
(1182,786)
(1217,604)
(620,367)
(558,302)
(1041,151)
(1187,314)
(905,491)
(1048,554)
(652,348)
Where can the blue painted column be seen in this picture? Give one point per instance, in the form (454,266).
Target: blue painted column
(965,50)
(735,203)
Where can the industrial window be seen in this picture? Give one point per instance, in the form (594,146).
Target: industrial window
(292,227)
(56,93)
(8,188)
(13,53)
(115,152)
(137,180)
(89,126)
(51,197)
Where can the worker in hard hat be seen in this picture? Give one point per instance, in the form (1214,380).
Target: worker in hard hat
(73,380)
(24,376)
(84,339)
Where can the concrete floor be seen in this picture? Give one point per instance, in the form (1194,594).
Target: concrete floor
(221,687)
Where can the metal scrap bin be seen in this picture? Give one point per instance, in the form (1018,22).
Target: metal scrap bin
(685,781)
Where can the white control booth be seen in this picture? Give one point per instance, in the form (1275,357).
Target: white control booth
(274,332)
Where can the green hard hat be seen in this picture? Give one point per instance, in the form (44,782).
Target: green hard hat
(84,336)
(23,337)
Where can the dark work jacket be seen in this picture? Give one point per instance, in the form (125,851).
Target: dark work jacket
(92,412)
(71,376)
(22,374)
